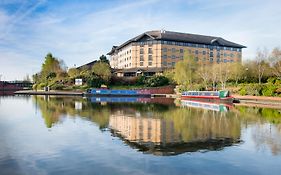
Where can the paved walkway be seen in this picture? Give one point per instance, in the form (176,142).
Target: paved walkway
(257,98)
(31,92)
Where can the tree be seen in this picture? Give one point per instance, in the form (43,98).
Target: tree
(184,71)
(170,74)
(236,71)
(205,74)
(102,70)
(275,59)
(221,73)
(260,63)
(51,65)
(214,75)
(224,75)
(73,72)
(104,59)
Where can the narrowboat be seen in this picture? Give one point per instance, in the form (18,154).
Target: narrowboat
(115,92)
(222,96)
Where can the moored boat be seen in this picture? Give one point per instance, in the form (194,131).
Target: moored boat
(115,92)
(223,95)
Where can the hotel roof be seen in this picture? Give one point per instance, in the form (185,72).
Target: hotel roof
(179,37)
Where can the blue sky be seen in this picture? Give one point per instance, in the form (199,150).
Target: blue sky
(79,31)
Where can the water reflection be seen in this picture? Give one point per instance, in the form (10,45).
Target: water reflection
(158,126)
(152,125)
(206,105)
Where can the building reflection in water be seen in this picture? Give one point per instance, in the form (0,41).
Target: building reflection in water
(160,127)
(171,135)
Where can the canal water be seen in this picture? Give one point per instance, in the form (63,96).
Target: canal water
(75,135)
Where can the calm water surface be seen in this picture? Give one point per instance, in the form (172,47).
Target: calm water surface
(71,135)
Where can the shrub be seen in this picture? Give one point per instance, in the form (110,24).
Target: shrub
(57,87)
(243,91)
(41,85)
(269,90)
(120,81)
(141,80)
(251,89)
(95,82)
(157,80)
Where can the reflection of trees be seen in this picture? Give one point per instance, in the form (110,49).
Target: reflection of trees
(268,135)
(261,115)
(189,125)
(197,124)
(54,108)
(267,128)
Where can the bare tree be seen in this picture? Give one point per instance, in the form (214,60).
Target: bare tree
(205,74)
(275,59)
(261,58)
(237,71)
(214,74)
(224,73)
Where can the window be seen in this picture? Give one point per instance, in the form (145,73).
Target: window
(165,63)
(218,53)
(150,63)
(141,58)
(173,56)
(150,50)
(211,54)
(204,52)
(173,63)
(164,49)
(196,59)
(211,59)
(141,63)
(173,50)
(150,57)
(196,52)
(181,50)
(141,51)
(181,57)
(164,56)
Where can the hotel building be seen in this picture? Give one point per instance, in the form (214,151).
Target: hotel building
(162,49)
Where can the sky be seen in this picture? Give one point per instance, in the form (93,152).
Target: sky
(79,31)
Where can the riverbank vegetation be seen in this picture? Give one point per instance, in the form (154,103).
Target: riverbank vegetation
(55,75)
(260,76)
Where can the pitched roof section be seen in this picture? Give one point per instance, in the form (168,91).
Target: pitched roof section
(181,37)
